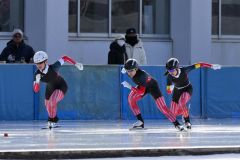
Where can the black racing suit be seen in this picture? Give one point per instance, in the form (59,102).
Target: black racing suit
(181,83)
(53,79)
(146,84)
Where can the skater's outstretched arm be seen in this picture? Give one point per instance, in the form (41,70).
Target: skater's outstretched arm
(202,65)
(68,59)
(71,61)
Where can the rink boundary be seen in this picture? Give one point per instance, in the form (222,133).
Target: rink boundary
(118,152)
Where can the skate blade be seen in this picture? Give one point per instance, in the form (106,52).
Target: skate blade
(137,129)
(184,130)
(50,127)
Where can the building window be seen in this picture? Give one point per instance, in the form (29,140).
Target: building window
(215,17)
(11,15)
(72,16)
(106,17)
(226,17)
(93,16)
(125,13)
(155,17)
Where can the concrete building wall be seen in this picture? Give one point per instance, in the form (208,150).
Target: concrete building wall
(191,30)
(35,23)
(225,53)
(46,28)
(201,16)
(181,30)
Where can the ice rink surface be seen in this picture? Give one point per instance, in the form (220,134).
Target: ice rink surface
(81,139)
(208,157)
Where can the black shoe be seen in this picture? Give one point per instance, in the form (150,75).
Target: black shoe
(55,119)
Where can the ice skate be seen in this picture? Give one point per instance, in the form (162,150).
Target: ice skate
(137,125)
(188,125)
(51,125)
(178,126)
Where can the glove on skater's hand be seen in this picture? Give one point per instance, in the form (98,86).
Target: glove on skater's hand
(123,71)
(169,91)
(36,87)
(38,77)
(216,66)
(79,66)
(126,84)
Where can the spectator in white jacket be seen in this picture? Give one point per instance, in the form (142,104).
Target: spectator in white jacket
(134,47)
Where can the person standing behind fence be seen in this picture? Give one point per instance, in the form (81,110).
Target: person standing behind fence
(17,51)
(117,53)
(134,47)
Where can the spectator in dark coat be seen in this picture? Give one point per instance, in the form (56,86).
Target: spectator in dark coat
(16,50)
(117,53)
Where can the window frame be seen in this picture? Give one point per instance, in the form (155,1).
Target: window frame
(109,34)
(6,35)
(220,35)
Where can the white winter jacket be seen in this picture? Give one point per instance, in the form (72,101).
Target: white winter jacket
(137,52)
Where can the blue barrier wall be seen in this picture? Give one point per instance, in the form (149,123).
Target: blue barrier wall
(222,96)
(16,96)
(93,93)
(96,93)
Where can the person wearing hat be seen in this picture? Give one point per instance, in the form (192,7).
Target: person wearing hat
(134,46)
(17,51)
(117,53)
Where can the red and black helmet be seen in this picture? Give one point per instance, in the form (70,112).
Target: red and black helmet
(131,64)
(172,63)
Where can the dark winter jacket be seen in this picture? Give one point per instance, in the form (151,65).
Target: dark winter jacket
(13,54)
(117,54)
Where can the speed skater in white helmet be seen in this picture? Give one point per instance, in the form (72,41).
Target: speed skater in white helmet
(56,86)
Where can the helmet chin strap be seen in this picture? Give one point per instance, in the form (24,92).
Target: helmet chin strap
(178,73)
(45,70)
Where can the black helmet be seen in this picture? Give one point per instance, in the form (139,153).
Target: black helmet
(131,64)
(172,63)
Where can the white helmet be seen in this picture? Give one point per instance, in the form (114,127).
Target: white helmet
(40,56)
